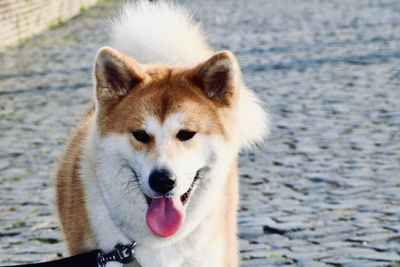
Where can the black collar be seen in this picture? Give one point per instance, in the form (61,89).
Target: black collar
(121,253)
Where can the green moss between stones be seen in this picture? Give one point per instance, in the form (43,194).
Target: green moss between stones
(56,22)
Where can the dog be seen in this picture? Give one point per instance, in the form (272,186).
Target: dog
(155,158)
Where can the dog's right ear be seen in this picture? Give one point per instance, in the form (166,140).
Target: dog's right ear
(218,77)
(115,74)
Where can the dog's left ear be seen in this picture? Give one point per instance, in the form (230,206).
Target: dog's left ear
(218,77)
(116,75)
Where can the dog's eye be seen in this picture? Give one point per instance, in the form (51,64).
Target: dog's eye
(141,136)
(185,135)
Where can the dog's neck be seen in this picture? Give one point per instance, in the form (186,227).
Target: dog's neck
(202,247)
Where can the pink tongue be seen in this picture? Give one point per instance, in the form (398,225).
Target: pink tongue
(165,215)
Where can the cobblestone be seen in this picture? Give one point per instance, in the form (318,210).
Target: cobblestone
(325,188)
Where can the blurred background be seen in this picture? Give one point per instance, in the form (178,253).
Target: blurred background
(324,190)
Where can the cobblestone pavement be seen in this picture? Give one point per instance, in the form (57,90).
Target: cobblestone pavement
(323,191)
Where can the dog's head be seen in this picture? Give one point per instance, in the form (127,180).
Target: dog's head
(165,140)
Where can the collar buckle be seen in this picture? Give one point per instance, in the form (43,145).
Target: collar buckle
(121,253)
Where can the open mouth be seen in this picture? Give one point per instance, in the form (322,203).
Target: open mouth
(184,198)
(166,214)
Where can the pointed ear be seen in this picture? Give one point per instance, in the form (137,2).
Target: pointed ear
(218,77)
(116,74)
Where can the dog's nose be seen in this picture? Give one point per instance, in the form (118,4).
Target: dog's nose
(162,181)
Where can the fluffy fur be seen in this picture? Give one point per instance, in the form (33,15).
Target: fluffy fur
(159,77)
(165,33)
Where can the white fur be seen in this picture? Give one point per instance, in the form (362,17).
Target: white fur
(172,155)
(159,33)
(253,121)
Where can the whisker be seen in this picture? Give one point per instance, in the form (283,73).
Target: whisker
(132,186)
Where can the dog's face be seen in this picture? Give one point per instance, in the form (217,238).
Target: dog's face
(162,141)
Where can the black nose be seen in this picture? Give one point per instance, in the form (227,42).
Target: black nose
(161,181)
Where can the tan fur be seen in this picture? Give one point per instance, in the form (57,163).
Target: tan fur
(227,221)
(232,202)
(70,193)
